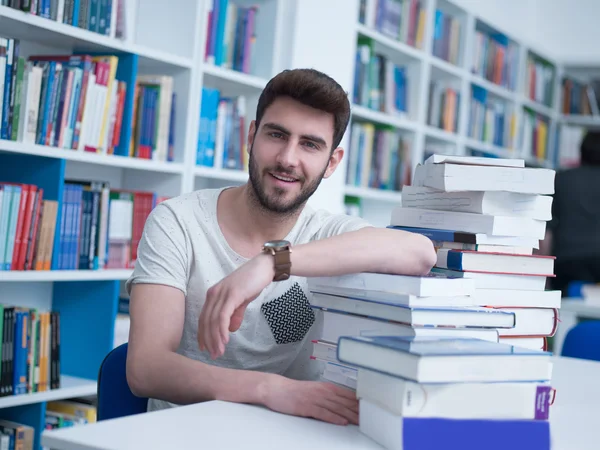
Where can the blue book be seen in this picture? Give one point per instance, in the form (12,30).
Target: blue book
(444,360)
(469,238)
(396,432)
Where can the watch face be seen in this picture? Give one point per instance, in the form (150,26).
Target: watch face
(277,244)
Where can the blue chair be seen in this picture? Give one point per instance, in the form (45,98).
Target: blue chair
(115,399)
(583,341)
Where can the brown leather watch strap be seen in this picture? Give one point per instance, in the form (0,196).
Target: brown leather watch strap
(283,264)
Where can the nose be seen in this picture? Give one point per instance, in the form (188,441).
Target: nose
(287,156)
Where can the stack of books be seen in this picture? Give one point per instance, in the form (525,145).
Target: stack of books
(486,216)
(458,354)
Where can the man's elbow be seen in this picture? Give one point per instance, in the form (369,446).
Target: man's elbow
(426,256)
(137,377)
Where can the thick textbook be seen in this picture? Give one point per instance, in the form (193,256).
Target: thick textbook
(465,237)
(464,177)
(433,284)
(475,160)
(456,400)
(494,203)
(469,222)
(444,360)
(415,433)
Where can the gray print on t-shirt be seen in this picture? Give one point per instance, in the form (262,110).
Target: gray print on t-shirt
(289,316)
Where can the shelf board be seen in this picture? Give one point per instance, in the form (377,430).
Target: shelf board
(373,194)
(231,81)
(447,68)
(581,120)
(64,275)
(392,44)
(537,107)
(498,91)
(440,135)
(489,148)
(21,25)
(221,174)
(70,387)
(371,115)
(90,158)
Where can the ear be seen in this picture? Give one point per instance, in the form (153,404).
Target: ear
(334,159)
(251,132)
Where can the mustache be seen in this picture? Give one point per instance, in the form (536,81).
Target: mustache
(286,171)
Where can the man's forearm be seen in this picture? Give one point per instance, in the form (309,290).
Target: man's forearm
(367,250)
(177,379)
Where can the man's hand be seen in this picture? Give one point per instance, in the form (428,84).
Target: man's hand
(226,302)
(323,401)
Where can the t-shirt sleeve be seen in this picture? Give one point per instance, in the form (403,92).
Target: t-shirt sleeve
(162,256)
(335,224)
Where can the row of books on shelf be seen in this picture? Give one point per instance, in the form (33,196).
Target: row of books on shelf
(579,98)
(379,157)
(446,37)
(496,58)
(231,35)
(458,354)
(402,20)
(539,81)
(444,101)
(490,119)
(222,131)
(30,351)
(92,226)
(99,16)
(569,142)
(379,83)
(535,132)
(92,103)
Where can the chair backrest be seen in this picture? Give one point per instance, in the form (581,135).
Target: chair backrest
(583,341)
(115,399)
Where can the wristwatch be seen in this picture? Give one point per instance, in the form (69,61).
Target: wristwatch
(281,252)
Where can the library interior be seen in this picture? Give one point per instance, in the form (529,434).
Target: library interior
(391,303)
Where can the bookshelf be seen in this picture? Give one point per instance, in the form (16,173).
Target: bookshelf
(474,90)
(158,40)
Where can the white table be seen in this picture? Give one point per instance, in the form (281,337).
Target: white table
(220,425)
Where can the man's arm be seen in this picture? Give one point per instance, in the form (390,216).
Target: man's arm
(369,249)
(154,369)
(366,250)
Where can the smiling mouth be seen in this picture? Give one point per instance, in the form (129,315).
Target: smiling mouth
(283,178)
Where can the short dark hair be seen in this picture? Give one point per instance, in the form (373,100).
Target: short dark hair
(311,88)
(590,148)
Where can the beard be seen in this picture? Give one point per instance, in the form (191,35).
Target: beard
(276,202)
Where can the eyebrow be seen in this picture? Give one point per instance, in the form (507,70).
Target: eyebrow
(310,137)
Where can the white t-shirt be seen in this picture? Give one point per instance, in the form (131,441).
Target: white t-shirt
(182,246)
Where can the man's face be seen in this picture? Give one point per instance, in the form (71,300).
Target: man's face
(290,154)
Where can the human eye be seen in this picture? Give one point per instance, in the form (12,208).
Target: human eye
(276,134)
(311,145)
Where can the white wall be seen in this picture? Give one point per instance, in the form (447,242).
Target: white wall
(564,30)
(318,25)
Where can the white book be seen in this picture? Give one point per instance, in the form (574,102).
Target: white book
(434,284)
(517,298)
(502,281)
(475,160)
(337,324)
(468,222)
(445,360)
(531,322)
(464,177)
(457,400)
(494,203)
(509,250)
(495,262)
(441,316)
(533,343)
(340,374)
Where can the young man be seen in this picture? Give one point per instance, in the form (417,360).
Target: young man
(219,303)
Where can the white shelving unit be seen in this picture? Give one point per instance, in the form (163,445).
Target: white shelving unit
(427,68)
(71,387)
